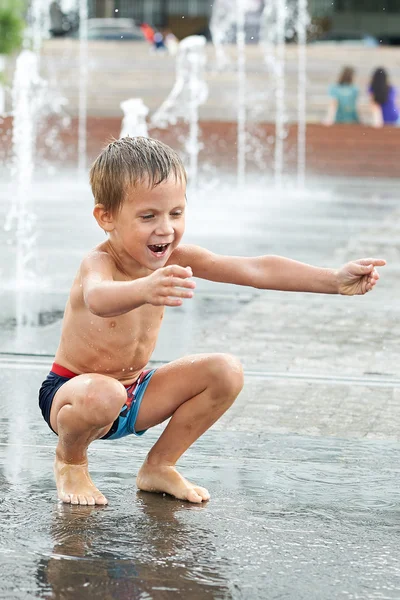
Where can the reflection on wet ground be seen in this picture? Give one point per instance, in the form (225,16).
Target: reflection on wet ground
(291,516)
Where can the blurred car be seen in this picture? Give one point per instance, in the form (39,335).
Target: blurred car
(353,38)
(113,29)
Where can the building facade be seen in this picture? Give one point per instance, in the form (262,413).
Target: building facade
(375,17)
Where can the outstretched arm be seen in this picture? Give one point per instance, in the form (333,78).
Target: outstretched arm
(279,273)
(106,297)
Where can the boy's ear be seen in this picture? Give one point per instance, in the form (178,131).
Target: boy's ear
(103,217)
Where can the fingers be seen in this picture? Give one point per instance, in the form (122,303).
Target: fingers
(178,271)
(173,284)
(183,283)
(371,262)
(172,302)
(372,280)
(177,292)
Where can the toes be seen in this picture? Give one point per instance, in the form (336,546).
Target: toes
(66,498)
(91,501)
(74,499)
(82,500)
(100,500)
(193,496)
(205,494)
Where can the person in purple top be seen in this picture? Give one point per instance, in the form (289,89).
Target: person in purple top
(383,100)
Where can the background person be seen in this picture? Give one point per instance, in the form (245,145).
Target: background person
(383,100)
(343,104)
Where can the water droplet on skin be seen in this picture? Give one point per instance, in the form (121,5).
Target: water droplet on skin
(91,322)
(131,368)
(99,330)
(123,370)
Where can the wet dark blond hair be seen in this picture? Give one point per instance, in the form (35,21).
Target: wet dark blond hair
(129,162)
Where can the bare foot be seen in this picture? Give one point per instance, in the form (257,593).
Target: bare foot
(166,479)
(74,485)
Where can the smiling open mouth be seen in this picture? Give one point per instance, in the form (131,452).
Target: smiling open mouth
(158,248)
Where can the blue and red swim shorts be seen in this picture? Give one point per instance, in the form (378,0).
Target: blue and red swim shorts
(123,425)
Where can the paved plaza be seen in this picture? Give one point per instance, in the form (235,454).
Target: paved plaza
(303,469)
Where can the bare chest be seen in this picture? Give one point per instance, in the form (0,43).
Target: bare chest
(116,346)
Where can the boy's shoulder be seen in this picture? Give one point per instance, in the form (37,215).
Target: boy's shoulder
(98,258)
(184,252)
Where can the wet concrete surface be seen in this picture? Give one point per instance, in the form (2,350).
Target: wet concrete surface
(303,469)
(290,517)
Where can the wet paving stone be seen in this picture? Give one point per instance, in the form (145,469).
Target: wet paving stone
(303,469)
(290,517)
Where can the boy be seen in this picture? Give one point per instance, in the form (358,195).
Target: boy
(98,386)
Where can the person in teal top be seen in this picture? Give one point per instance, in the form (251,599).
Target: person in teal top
(344,96)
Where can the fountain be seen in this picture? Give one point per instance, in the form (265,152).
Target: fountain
(241,101)
(302,24)
(32,101)
(134,121)
(187,95)
(83,79)
(278,18)
(27,97)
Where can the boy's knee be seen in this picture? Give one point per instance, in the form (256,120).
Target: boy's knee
(228,375)
(103,400)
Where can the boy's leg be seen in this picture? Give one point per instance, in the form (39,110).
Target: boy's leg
(195,391)
(83,410)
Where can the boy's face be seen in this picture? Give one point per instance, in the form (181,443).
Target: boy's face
(151,222)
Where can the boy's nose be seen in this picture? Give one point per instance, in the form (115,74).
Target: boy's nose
(164,227)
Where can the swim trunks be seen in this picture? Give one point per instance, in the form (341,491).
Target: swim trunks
(123,425)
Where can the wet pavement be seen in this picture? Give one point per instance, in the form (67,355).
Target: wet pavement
(303,469)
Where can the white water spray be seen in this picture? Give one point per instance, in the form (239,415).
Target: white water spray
(83,80)
(190,91)
(27,97)
(302,24)
(222,25)
(134,121)
(241,95)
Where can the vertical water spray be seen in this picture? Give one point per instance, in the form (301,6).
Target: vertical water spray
(222,23)
(36,18)
(241,91)
(302,23)
(26,101)
(134,121)
(83,78)
(189,92)
(192,145)
(280,107)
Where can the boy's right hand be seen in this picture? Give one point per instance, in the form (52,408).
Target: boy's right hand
(168,285)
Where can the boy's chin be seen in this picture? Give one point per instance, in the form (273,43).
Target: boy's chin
(155,264)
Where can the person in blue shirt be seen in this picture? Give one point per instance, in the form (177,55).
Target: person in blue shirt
(343,104)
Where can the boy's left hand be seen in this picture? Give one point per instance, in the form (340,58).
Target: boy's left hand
(359,277)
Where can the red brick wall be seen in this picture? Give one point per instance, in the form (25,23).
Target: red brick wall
(341,150)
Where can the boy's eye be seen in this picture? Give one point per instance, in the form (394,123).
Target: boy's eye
(147,217)
(176,214)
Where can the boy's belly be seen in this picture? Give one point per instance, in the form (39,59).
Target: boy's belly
(124,362)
